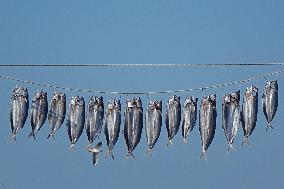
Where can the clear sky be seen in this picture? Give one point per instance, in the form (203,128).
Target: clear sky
(148,31)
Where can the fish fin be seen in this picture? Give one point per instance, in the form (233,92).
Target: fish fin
(245,141)
(148,152)
(185,141)
(51,135)
(32,134)
(203,155)
(72,147)
(230,148)
(95,153)
(129,154)
(269,125)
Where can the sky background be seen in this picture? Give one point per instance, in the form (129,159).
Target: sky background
(183,31)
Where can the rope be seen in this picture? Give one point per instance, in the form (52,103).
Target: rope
(142,65)
(145,92)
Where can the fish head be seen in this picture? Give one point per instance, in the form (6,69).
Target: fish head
(20,93)
(117,104)
(151,105)
(62,97)
(158,104)
(138,102)
(235,96)
(174,100)
(226,98)
(274,85)
(130,103)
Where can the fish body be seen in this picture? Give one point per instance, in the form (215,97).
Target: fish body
(38,113)
(249,112)
(133,124)
(19,109)
(173,117)
(270,101)
(76,119)
(56,114)
(207,122)
(189,116)
(95,117)
(112,125)
(231,116)
(153,119)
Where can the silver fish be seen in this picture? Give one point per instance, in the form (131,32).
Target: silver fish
(133,124)
(153,119)
(189,116)
(19,110)
(173,117)
(112,125)
(231,117)
(207,122)
(56,114)
(39,111)
(95,117)
(76,119)
(249,112)
(270,101)
(95,152)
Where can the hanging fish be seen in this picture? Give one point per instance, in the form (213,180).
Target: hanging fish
(153,121)
(189,116)
(270,101)
(95,152)
(95,117)
(39,111)
(231,117)
(133,124)
(173,117)
(76,119)
(249,112)
(56,114)
(19,109)
(207,122)
(112,125)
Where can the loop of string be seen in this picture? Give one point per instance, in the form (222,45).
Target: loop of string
(143,92)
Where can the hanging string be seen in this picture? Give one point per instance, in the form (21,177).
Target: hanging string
(145,65)
(145,92)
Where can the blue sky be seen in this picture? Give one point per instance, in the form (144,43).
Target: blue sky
(184,31)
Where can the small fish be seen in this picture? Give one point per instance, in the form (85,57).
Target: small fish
(153,121)
(95,152)
(133,124)
(207,122)
(56,114)
(231,117)
(95,117)
(39,111)
(249,112)
(173,117)
(189,116)
(112,125)
(19,110)
(270,101)
(76,119)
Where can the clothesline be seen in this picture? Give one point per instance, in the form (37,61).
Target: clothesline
(142,92)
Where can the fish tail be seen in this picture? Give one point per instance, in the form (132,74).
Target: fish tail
(12,138)
(203,155)
(51,135)
(130,154)
(245,141)
(269,125)
(32,134)
(109,153)
(185,141)
(230,148)
(170,143)
(72,147)
(148,152)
